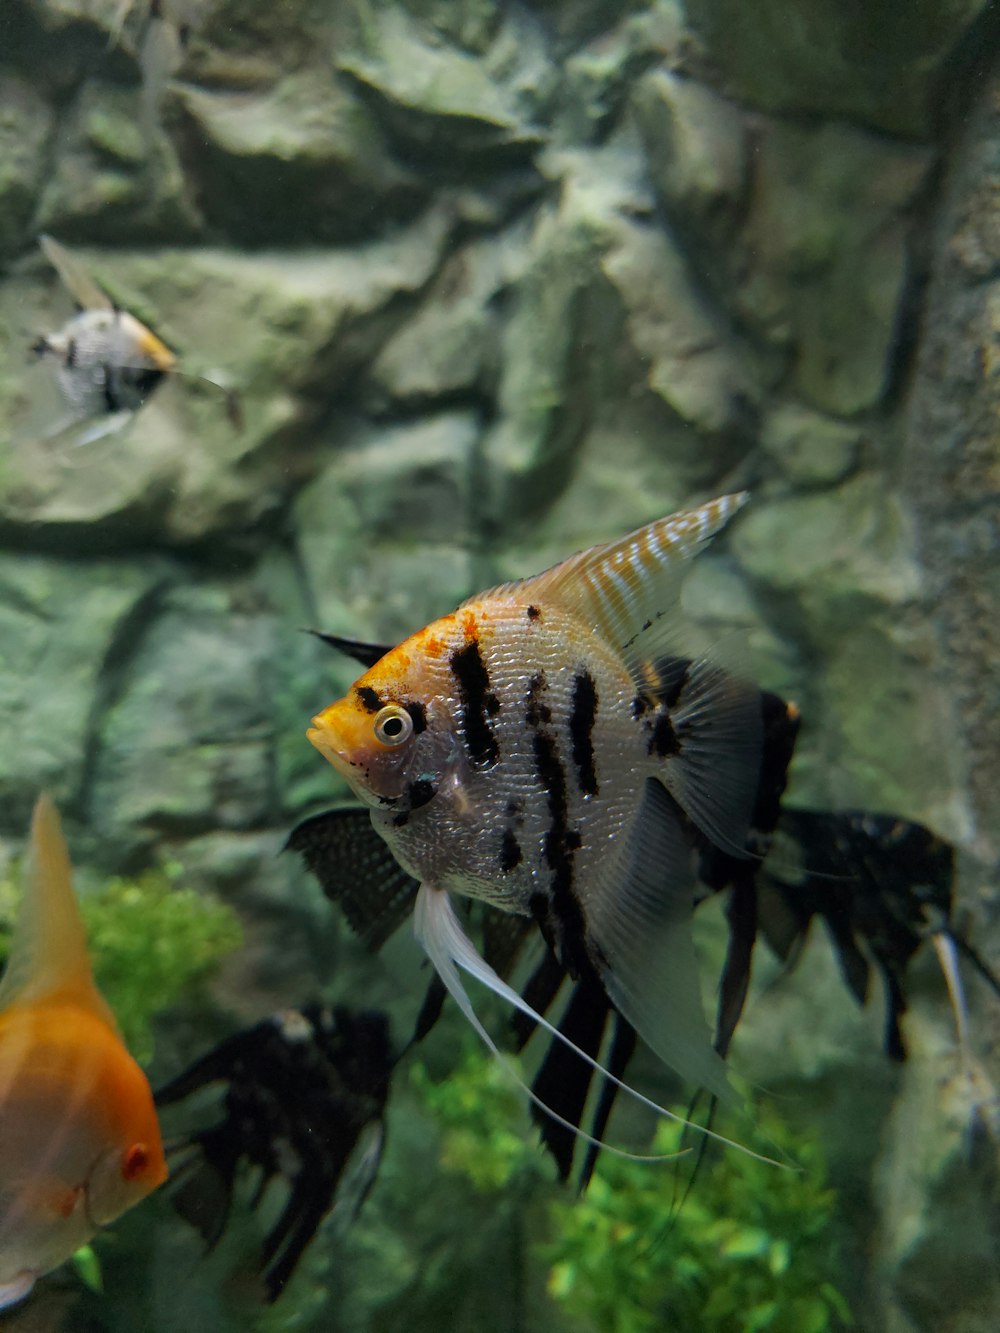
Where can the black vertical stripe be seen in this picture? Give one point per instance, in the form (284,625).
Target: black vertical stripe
(560,842)
(583,715)
(477,704)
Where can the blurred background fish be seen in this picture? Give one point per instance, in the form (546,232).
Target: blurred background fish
(107,362)
(302,1102)
(79,1138)
(164,28)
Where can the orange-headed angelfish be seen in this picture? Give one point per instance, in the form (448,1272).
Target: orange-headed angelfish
(539,749)
(79,1139)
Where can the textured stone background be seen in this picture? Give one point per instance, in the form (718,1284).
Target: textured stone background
(494,281)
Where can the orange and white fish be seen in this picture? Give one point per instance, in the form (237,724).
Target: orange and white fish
(542,749)
(79,1138)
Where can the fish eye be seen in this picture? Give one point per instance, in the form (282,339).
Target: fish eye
(393,726)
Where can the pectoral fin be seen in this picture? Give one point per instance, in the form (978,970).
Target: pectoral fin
(356,869)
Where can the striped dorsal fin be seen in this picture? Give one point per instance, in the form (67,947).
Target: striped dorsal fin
(625,589)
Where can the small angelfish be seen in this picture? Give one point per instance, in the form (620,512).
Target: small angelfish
(79,1139)
(107,362)
(543,749)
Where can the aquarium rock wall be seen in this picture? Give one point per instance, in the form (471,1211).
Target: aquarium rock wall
(490,282)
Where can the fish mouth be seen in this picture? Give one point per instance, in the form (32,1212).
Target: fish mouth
(319,735)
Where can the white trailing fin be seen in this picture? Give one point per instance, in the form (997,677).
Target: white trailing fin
(449,948)
(638,914)
(718,728)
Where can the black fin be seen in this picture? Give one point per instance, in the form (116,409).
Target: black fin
(623,1045)
(504,936)
(356,869)
(563,1080)
(872,878)
(365,653)
(741,913)
(283,1077)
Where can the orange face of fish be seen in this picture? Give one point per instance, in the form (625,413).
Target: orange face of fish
(79,1138)
(397,721)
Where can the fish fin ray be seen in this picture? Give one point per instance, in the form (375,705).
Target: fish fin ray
(74,277)
(360,650)
(714,777)
(626,587)
(639,918)
(356,869)
(440,933)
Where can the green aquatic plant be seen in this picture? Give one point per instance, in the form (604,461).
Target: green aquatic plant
(479,1110)
(754,1246)
(150,940)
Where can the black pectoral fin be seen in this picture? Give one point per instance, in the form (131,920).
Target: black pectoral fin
(357,870)
(365,653)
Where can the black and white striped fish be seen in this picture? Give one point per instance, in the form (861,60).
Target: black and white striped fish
(543,749)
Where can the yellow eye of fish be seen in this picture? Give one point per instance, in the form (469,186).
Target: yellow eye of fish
(393,726)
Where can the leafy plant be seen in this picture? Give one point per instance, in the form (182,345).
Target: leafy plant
(753,1247)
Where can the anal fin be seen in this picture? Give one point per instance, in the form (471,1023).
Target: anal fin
(638,915)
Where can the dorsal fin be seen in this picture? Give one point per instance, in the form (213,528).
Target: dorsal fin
(48,954)
(626,588)
(75,278)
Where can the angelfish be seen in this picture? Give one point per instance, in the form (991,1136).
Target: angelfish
(79,1138)
(541,748)
(107,362)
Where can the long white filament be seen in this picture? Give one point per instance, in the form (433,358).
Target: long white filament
(446,944)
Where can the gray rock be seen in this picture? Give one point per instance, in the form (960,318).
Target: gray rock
(824,272)
(696,142)
(61,624)
(807,448)
(938,1236)
(306,151)
(836,570)
(26,121)
(196,730)
(107,182)
(437,100)
(385,531)
(881,65)
(451,346)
